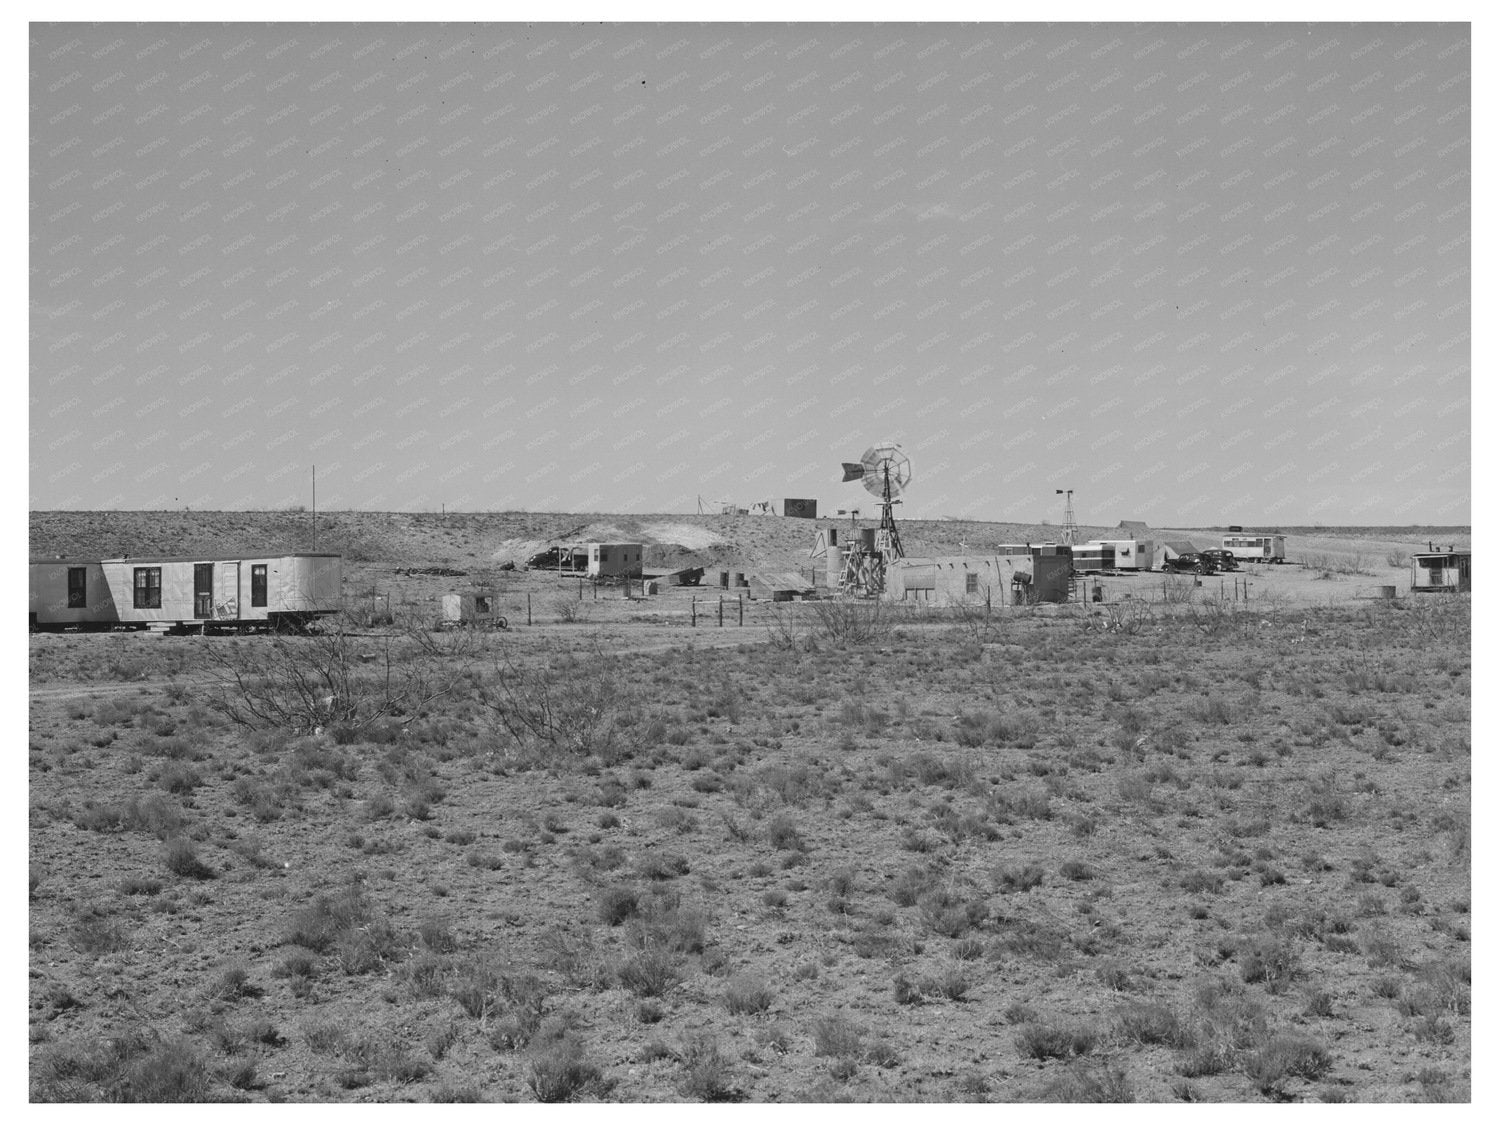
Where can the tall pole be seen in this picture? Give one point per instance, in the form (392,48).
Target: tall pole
(315,507)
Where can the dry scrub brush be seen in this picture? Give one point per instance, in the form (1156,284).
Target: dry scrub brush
(336,676)
(570,710)
(851,621)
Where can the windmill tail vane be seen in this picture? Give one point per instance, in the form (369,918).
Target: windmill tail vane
(853,471)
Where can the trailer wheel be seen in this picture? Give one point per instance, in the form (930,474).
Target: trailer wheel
(501,623)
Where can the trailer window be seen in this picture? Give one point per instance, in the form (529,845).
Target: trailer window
(78,585)
(148,587)
(258,584)
(971,583)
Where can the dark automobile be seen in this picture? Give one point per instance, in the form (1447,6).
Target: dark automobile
(558,558)
(1192,562)
(1222,560)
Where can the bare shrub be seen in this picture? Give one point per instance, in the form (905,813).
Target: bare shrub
(787,632)
(569,610)
(851,621)
(1128,616)
(571,709)
(1178,590)
(335,677)
(1215,616)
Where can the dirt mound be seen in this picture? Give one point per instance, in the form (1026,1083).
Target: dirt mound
(683,535)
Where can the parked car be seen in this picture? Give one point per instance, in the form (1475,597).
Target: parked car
(1191,562)
(1222,560)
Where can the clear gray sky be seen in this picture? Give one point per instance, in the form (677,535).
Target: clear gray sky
(1199,274)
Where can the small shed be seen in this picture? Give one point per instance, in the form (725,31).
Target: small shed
(615,560)
(469,607)
(1440,570)
(799,509)
(1135,527)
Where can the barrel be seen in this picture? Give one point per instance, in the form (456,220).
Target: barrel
(867,538)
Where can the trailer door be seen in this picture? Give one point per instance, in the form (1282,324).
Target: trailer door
(227,596)
(203,590)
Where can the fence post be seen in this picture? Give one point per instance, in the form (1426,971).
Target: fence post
(741,600)
(528,608)
(695,611)
(721,611)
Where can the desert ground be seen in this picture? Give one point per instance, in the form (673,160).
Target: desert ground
(1189,843)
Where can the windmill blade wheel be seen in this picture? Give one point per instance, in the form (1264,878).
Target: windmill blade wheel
(882,460)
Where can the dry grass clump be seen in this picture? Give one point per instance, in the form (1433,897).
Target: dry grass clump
(708,1073)
(563,1071)
(135,1066)
(746,995)
(348,926)
(1044,1041)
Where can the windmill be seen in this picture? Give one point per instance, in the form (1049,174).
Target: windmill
(884,471)
(1070,527)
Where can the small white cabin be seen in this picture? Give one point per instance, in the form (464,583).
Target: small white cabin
(615,560)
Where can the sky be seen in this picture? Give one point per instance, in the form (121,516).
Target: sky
(1198,274)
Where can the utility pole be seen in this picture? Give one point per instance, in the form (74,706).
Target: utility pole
(315,506)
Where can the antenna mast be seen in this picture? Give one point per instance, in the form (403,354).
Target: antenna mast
(315,507)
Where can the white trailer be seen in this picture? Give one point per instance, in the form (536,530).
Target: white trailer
(1250,547)
(1113,554)
(186,593)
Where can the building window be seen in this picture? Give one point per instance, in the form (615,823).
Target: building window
(481,605)
(258,584)
(148,587)
(971,583)
(78,585)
